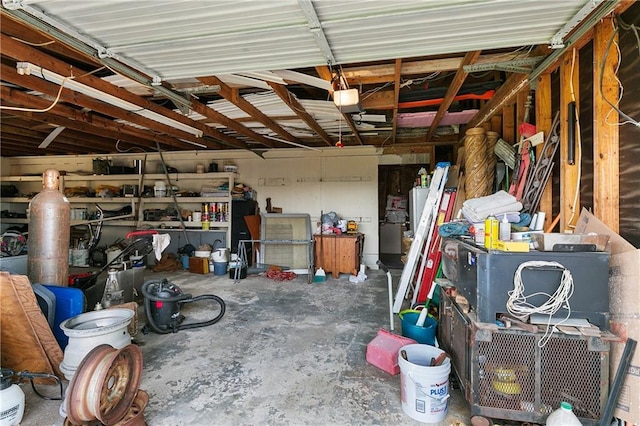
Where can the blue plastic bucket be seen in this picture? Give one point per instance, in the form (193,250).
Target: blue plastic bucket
(219,268)
(425,334)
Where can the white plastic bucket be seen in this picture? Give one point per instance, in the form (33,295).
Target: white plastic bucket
(220,255)
(424,389)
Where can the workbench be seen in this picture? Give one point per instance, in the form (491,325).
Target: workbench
(338,253)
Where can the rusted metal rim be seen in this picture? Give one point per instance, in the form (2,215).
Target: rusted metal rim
(135,415)
(104,385)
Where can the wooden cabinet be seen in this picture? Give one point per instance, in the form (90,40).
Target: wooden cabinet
(338,253)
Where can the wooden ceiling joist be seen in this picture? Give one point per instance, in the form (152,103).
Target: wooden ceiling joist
(34,83)
(454,87)
(232,96)
(20,52)
(69,117)
(297,107)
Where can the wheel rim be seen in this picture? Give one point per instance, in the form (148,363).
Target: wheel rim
(105,384)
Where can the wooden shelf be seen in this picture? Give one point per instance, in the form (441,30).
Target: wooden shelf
(189,225)
(189,181)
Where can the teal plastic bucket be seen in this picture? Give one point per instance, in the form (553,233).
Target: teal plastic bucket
(425,334)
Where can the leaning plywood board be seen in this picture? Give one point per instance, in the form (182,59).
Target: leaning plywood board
(27,341)
(21,349)
(30,306)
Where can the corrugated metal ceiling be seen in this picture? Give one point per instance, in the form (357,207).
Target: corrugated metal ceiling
(250,44)
(198,38)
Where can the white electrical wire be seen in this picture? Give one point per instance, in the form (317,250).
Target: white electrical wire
(518,304)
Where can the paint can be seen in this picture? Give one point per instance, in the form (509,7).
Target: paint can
(424,389)
(491,232)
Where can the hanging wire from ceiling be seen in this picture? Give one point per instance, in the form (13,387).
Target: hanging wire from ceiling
(50,107)
(133,148)
(46,43)
(610,43)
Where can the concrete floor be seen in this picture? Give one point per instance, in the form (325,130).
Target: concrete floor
(285,353)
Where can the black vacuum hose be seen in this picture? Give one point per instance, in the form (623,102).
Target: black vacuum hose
(179,299)
(204,323)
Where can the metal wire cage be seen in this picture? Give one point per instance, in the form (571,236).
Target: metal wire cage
(513,375)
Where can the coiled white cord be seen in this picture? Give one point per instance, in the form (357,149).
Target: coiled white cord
(518,306)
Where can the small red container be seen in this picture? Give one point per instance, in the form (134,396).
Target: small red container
(382,351)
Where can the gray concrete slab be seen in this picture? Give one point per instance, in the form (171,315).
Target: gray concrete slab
(285,353)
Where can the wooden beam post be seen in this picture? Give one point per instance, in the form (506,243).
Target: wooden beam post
(543,124)
(606,183)
(569,174)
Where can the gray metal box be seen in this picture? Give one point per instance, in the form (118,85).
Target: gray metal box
(485,278)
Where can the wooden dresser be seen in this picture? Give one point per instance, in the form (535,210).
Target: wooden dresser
(338,253)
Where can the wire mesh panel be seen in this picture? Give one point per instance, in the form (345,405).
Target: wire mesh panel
(286,240)
(573,373)
(506,374)
(514,378)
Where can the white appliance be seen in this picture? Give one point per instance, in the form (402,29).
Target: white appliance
(417,198)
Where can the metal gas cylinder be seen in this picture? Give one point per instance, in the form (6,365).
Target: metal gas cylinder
(49,230)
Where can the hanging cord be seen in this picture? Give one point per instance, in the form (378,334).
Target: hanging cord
(518,304)
(173,194)
(611,42)
(50,107)
(31,376)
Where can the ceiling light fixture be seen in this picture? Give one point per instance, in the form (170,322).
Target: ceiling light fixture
(347,100)
(27,68)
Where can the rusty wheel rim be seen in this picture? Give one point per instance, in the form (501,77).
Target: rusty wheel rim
(135,415)
(105,384)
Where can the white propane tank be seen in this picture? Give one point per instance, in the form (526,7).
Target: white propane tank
(11,400)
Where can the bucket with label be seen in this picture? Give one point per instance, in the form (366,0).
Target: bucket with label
(160,189)
(80,257)
(424,389)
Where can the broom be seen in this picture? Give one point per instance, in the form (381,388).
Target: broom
(320,275)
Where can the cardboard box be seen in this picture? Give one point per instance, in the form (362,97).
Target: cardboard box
(198,265)
(514,246)
(624,307)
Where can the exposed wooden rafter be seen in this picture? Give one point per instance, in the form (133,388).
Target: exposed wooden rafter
(454,87)
(232,96)
(298,108)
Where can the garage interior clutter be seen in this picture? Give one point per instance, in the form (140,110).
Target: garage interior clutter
(317,212)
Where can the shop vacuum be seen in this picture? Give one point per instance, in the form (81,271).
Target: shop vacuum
(162,303)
